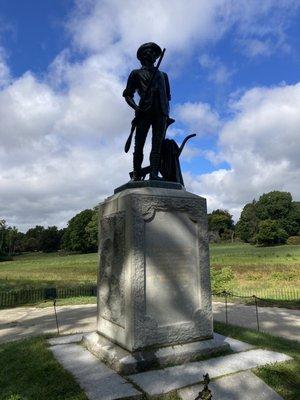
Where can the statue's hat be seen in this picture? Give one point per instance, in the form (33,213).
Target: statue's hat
(144,46)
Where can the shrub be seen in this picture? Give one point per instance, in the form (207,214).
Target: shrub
(293,240)
(270,233)
(222,279)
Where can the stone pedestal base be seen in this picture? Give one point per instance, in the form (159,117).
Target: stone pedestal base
(153,282)
(126,363)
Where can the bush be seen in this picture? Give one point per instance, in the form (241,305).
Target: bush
(222,279)
(293,240)
(270,233)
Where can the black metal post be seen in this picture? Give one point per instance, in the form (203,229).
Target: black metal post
(54,305)
(256,310)
(226,311)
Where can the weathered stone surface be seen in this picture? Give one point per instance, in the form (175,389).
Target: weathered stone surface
(126,362)
(240,386)
(66,339)
(96,379)
(111,279)
(171,268)
(168,379)
(235,345)
(154,282)
(149,183)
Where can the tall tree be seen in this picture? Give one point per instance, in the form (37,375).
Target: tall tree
(75,237)
(33,237)
(279,211)
(92,231)
(221,221)
(50,239)
(274,205)
(270,232)
(247,226)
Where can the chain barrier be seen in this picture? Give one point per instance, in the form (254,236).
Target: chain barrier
(225,294)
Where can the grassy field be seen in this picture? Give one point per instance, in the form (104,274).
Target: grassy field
(260,269)
(28,371)
(255,268)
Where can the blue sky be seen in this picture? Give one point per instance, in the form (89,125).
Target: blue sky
(234,72)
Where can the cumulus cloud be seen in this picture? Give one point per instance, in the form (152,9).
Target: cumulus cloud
(217,71)
(199,117)
(4,70)
(261,144)
(62,135)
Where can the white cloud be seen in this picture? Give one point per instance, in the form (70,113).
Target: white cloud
(100,25)
(199,117)
(217,71)
(177,25)
(4,70)
(62,136)
(261,144)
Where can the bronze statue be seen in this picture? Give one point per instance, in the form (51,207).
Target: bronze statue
(153,87)
(169,165)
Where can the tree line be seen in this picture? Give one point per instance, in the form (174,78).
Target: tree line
(81,235)
(270,220)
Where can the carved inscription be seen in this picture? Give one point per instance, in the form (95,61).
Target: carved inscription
(171,268)
(111,268)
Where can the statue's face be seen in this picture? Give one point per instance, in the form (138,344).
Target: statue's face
(149,54)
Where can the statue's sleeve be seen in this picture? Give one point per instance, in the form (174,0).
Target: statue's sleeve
(131,86)
(167,86)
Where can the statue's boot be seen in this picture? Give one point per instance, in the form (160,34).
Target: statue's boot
(154,167)
(137,165)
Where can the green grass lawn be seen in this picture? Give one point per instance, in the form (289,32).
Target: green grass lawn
(38,269)
(284,378)
(28,370)
(255,268)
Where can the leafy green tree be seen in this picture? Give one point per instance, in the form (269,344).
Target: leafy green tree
(50,239)
(247,226)
(221,221)
(270,233)
(75,237)
(274,205)
(2,235)
(291,223)
(92,230)
(32,240)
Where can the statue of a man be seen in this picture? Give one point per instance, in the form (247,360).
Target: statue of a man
(154,110)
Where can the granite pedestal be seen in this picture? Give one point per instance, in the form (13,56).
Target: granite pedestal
(154,280)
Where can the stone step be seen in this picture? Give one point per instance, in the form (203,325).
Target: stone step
(240,386)
(235,345)
(163,381)
(65,339)
(97,380)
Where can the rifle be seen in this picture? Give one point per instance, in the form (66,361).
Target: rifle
(135,119)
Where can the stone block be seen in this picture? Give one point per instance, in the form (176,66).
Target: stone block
(154,279)
(95,378)
(125,362)
(173,378)
(240,386)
